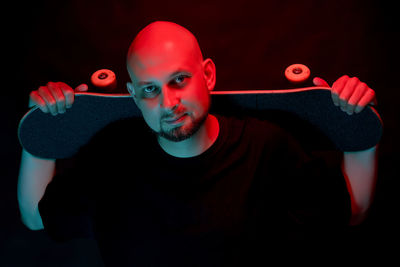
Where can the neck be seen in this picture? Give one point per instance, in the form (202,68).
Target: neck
(196,144)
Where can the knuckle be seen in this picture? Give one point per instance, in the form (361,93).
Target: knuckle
(372,92)
(354,79)
(63,85)
(53,86)
(42,89)
(360,87)
(32,94)
(68,91)
(50,84)
(335,88)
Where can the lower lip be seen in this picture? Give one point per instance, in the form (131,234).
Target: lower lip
(177,121)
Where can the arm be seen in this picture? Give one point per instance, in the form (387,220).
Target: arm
(360,172)
(36,173)
(359,168)
(34,176)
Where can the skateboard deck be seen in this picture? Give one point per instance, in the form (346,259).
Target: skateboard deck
(61,136)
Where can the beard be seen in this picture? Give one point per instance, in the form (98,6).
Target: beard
(182,132)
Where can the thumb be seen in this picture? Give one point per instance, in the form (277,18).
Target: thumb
(81,88)
(320,82)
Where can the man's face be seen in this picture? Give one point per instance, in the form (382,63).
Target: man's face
(169,88)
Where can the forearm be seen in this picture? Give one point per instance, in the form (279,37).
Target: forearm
(360,171)
(34,176)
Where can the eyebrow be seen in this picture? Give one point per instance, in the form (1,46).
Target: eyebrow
(179,71)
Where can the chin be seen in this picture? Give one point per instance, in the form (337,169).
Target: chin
(183,132)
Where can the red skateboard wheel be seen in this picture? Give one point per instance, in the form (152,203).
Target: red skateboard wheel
(297,73)
(104,79)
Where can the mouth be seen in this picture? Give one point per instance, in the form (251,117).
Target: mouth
(176,119)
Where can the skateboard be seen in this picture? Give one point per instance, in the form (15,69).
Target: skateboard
(61,136)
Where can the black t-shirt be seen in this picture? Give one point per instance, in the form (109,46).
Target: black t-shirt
(147,208)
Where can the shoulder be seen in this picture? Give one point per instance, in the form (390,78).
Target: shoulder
(115,136)
(253,127)
(255,134)
(119,130)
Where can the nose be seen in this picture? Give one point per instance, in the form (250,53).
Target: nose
(169,99)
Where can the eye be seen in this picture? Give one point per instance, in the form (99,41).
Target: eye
(179,80)
(150,91)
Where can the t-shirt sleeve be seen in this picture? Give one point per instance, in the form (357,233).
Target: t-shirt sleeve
(317,195)
(65,211)
(71,198)
(67,206)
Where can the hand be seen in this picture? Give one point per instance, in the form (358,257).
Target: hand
(55,97)
(350,94)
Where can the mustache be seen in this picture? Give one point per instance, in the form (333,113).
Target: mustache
(173,113)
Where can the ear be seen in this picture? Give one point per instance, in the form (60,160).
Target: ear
(209,73)
(131,90)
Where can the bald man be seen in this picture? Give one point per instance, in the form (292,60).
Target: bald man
(183,187)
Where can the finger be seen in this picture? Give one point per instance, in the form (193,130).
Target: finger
(374,101)
(36,99)
(45,94)
(320,82)
(365,100)
(58,95)
(335,98)
(347,92)
(359,91)
(68,93)
(82,88)
(337,88)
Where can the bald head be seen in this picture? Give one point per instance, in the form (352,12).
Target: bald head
(171,82)
(162,42)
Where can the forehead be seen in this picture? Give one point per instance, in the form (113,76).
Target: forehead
(158,55)
(160,65)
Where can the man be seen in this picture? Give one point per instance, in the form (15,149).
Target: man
(201,189)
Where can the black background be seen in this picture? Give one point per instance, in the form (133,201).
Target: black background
(251,43)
